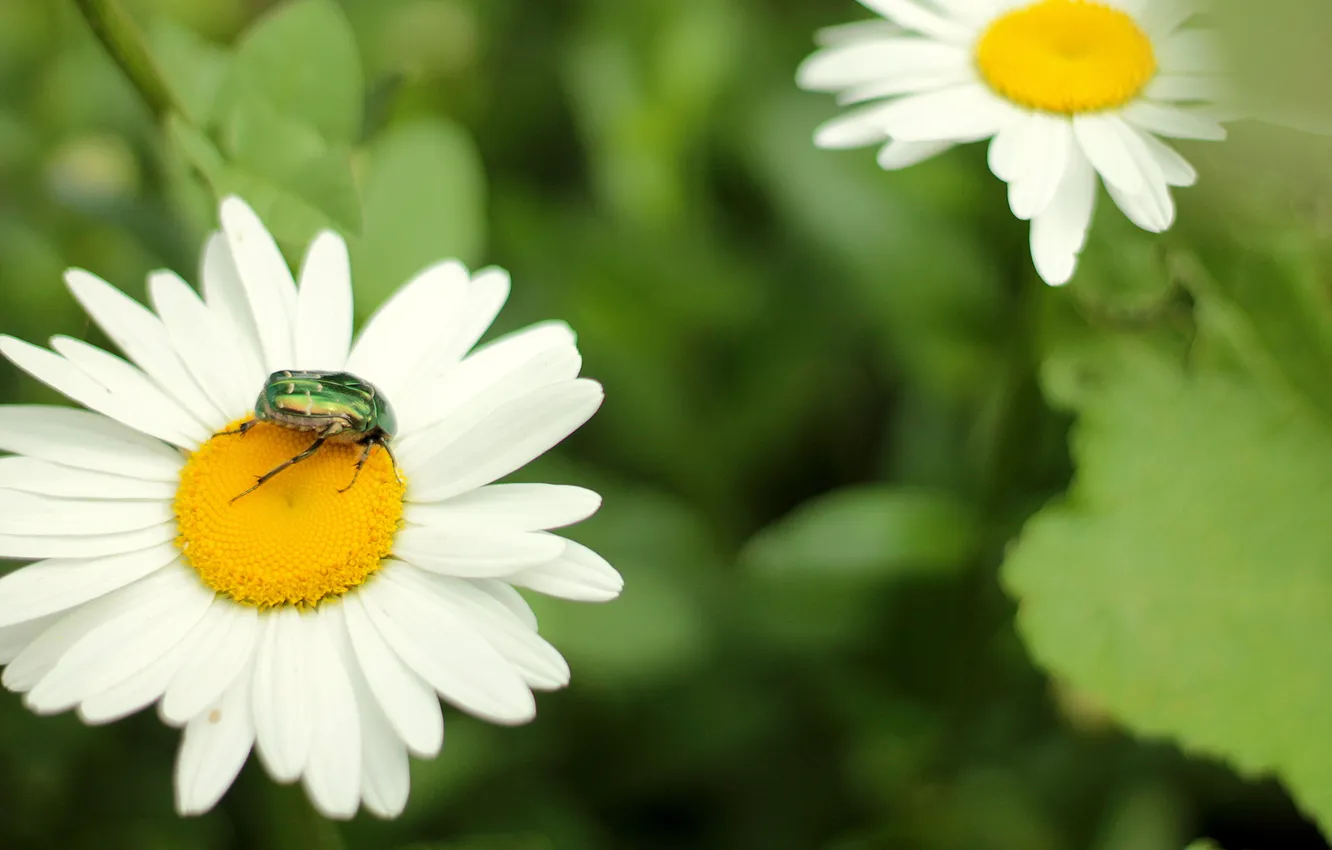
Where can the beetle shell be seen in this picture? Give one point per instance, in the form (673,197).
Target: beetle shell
(340,405)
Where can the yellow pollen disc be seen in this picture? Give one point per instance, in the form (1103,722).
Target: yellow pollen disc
(296,540)
(1066,56)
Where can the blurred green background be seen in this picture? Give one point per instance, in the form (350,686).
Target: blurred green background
(822,427)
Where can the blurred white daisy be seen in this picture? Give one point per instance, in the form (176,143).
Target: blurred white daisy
(314,621)
(1066,90)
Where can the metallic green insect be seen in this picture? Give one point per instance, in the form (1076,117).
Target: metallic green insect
(335,406)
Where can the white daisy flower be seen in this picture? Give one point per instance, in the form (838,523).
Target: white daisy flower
(318,618)
(1065,90)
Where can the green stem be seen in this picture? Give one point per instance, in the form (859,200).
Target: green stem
(123,40)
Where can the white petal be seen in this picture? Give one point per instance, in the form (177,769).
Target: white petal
(153,615)
(964,113)
(855,128)
(90,546)
(30,475)
(141,335)
(269,287)
(385,772)
(281,694)
(506,439)
(474,553)
(227,370)
(476,388)
(225,296)
(579,574)
(1172,121)
(1174,168)
(1132,7)
(877,62)
(496,372)
(1050,142)
(324,305)
(504,593)
(55,585)
(897,155)
(486,296)
(420,316)
(213,749)
(1188,52)
(30,514)
(458,663)
(1184,87)
(42,653)
(1060,231)
(1105,141)
(1006,153)
(147,686)
(915,16)
(385,780)
(870,30)
(1150,210)
(332,776)
(1151,207)
(924,81)
(86,440)
(409,705)
(1160,18)
(540,664)
(513,507)
(226,654)
(132,387)
(66,378)
(14,639)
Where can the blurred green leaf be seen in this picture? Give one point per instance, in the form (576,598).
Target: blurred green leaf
(286,212)
(295,160)
(194,69)
(488,842)
(1146,817)
(656,628)
(1272,308)
(302,58)
(1183,583)
(424,194)
(868,533)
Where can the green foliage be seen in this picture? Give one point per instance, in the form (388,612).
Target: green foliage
(423,195)
(283,109)
(301,60)
(860,534)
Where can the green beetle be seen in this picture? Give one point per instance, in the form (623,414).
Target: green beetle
(334,406)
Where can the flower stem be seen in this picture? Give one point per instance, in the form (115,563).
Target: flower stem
(124,41)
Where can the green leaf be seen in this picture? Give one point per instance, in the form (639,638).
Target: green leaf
(1271,307)
(296,160)
(866,533)
(424,196)
(1186,580)
(291,218)
(655,630)
(302,58)
(193,69)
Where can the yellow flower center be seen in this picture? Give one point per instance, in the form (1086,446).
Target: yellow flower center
(1066,56)
(296,540)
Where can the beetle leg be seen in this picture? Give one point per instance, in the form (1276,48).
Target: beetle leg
(263,479)
(393,460)
(360,462)
(245,426)
(365,455)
